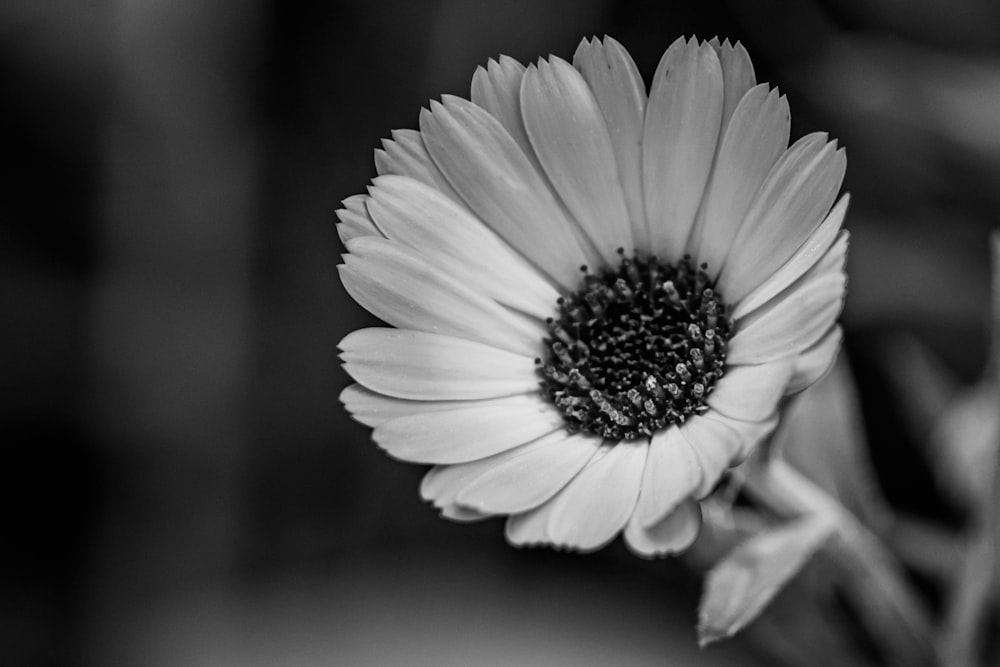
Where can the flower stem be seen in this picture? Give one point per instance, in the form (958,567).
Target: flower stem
(993,521)
(978,578)
(924,547)
(993,370)
(961,629)
(894,616)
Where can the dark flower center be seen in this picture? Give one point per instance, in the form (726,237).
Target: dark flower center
(636,348)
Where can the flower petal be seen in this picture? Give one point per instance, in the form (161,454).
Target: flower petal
(737,75)
(407,292)
(371,408)
(715,446)
(475,431)
(498,182)
(791,203)
(672,474)
(462,514)
(426,366)
(719,443)
(750,433)
(753,141)
(673,534)
(523,479)
(811,252)
(442,483)
(750,393)
(798,317)
(449,237)
(595,505)
(557,452)
(406,155)
(679,139)
(355,220)
(570,138)
(528,529)
(621,94)
(497,89)
(814,363)
(357,204)
(589,511)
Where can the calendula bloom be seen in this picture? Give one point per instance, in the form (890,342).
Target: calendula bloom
(599,297)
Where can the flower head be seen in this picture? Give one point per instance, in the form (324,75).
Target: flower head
(598,297)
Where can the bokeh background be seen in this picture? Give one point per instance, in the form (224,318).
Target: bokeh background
(180,484)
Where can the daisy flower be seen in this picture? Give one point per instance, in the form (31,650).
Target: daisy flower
(597,297)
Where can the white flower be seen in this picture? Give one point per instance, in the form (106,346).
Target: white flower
(584,404)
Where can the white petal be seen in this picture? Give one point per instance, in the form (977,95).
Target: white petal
(498,182)
(355,220)
(428,367)
(497,89)
(371,408)
(790,205)
(679,139)
(673,534)
(407,292)
(750,393)
(357,204)
(719,443)
(529,528)
(570,138)
(353,225)
(406,155)
(750,433)
(804,259)
(594,507)
(527,477)
(715,447)
(833,262)
(794,324)
(621,94)
(753,141)
(481,429)
(672,474)
(737,75)
(814,363)
(443,484)
(462,514)
(798,317)
(453,240)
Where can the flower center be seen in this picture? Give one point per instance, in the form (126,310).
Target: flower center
(636,348)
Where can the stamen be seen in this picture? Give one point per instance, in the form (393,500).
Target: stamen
(636,348)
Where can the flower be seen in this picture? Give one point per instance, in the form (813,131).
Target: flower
(599,298)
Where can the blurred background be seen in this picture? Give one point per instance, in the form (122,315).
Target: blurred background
(181,485)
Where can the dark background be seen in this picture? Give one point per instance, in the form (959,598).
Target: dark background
(180,484)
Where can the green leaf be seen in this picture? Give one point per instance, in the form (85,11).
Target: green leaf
(741,585)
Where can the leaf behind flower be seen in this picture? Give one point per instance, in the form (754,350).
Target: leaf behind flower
(742,584)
